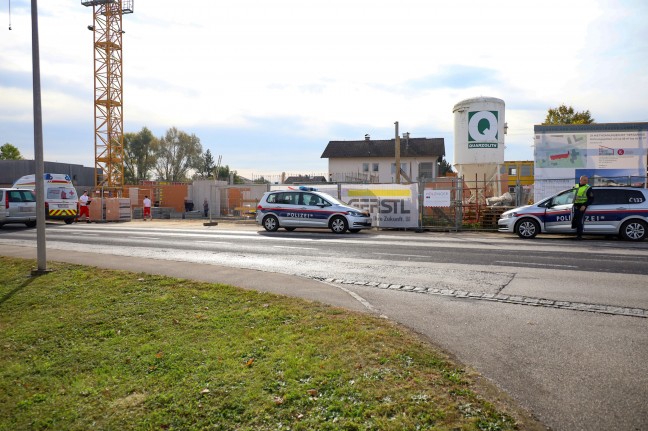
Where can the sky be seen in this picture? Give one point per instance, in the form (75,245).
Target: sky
(267,84)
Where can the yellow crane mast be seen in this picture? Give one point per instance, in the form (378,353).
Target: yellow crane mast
(108,91)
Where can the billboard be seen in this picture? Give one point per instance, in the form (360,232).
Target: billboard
(609,154)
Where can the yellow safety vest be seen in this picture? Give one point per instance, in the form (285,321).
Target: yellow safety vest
(581,193)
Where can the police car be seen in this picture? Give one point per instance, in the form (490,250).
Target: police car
(619,211)
(308,208)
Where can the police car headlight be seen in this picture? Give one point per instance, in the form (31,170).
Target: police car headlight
(355,213)
(508,216)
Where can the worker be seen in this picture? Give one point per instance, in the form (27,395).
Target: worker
(84,209)
(583,198)
(147,208)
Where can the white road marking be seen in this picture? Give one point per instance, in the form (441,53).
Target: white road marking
(535,264)
(403,255)
(298,248)
(142,237)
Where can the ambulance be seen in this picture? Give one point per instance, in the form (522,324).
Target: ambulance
(61,198)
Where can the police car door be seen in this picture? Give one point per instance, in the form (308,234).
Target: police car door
(289,209)
(558,214)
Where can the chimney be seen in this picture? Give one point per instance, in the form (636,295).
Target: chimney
(367,137)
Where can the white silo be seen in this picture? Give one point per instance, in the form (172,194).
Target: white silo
(479,139)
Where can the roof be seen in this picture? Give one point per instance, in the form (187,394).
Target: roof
(412,147)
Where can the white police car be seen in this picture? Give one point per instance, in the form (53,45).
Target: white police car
(619,211)
(308,208)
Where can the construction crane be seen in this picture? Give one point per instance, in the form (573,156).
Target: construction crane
(108,101)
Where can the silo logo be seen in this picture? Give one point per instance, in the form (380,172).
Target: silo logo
(482,129)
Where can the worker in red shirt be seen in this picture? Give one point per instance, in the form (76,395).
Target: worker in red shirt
(147,208)
(84,209)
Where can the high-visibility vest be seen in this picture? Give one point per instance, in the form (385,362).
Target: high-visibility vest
(581,194)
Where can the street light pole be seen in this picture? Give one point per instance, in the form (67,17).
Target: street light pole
(38,148)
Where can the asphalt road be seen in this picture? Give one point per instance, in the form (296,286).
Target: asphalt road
(560,325)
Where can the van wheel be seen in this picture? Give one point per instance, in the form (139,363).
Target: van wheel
(338,225)
(69,220)
(634,230)
(527,228)
(31,224)
(271,223)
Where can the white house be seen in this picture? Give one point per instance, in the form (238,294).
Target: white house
(373,161)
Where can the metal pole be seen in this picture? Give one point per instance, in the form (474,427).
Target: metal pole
(397,151)
(39,174)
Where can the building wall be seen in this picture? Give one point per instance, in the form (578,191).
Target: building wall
(515,171)
(11,170)
(348,169)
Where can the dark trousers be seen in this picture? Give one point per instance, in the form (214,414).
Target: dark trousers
(578,221)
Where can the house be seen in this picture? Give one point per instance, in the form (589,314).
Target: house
(373,161)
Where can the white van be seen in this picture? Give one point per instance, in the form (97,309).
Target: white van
(17,206)
(621,211)
(61,198)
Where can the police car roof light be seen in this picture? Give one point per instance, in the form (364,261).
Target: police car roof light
(307,189)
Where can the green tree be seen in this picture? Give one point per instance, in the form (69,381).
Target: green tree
(566,115)
(207,166)
(223,174)
(9,152)
(177,154)
(140,155)
(444,167)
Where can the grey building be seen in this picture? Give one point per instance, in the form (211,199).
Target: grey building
(11,170)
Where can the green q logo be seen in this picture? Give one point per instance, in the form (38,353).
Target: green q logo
(482,126)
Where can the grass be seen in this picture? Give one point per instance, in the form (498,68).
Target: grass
(84,348)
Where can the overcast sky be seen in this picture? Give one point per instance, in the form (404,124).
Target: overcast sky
(266,84)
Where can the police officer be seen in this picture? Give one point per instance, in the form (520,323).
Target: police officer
(584,198)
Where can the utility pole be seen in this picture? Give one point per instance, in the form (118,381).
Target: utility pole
(397,151)
(39,173)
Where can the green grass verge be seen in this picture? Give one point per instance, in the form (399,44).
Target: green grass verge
(85,348)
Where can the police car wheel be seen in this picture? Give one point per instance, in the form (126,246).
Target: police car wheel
(339,225)
(527,228)
(634,230)
(270,223)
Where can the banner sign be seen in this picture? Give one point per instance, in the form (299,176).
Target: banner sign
(390,205)
(436,198)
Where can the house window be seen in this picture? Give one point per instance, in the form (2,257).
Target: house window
(365,167)
(526,171)
(403,168)
(374,167)
(512,171)
(426,170)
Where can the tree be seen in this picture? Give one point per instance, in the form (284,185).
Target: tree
(207,165)
(444,167)
(566,115)
(178,152)
(223,174)
(140,155)
(9,152)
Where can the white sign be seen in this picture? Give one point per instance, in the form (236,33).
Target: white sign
(390,205)
(436,198)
